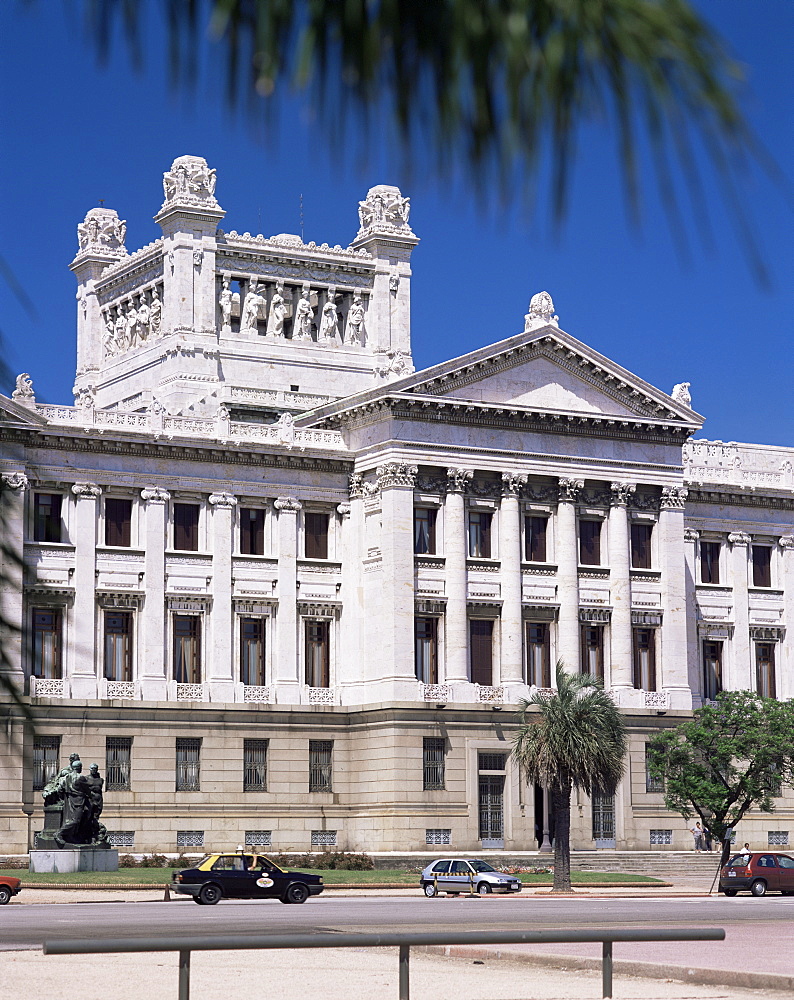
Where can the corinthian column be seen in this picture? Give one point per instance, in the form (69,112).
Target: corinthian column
(512,667)
(620,587)
(674,673)
(285,667)
(82,659)
(568,574)
(12,496)
(785,650)
(742,674)
(456,634)
(153,659)
(220,673)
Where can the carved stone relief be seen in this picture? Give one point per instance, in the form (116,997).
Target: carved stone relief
(190,182)
(103,232)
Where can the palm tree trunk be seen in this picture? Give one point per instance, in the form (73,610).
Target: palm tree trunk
(561,807)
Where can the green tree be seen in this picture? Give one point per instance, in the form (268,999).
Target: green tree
(732,756)
(575,739)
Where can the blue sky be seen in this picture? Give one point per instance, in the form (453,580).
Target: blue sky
(74,132)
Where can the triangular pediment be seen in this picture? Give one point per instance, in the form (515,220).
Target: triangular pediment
(12,412)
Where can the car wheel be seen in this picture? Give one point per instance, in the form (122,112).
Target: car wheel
(197,900)
(5,894)
(429,890)
(730,892)
(210,894)
(484,889)
(758,888)
(297,893)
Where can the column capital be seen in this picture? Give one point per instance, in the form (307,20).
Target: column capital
(17,482)
(155,495)
(343,509)
(569,489)
(691,534)
(512,483)
(673,497)
(457,480)
(87,491)
(786,542)
(739,538)
(622,493)
(223,500)
(355,486)
(287,504)
(392,474)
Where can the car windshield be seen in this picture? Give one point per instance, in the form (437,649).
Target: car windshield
(481,866)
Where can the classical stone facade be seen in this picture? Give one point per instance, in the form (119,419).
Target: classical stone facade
(287,590)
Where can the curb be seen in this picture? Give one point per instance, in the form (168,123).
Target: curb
(137,887)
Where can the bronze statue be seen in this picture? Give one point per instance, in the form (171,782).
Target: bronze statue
(98,831)
(76,816)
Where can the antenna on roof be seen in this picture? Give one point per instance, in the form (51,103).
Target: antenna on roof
(301,217)
(102,202)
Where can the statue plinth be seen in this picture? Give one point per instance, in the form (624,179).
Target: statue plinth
(74,858)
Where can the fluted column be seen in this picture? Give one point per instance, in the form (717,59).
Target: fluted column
(512,666)
(456,632)
(620,673)
(221,661)
(674,674)
(568,574)
(82,658)
(785,650)
(742,668)
(285,667)
(692,652)
(152,663)
(12,496)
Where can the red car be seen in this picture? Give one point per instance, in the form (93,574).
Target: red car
(9,886)
(758,874)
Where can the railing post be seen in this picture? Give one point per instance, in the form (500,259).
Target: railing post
(184,975)
(606,969)
(405,987)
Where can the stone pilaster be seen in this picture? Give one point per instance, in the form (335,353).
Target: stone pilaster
(620,672)
(512,665)
(12,525)
(741,675)
(152,662)
(221,659)
(285,666)
(456,626)
(350,526)
(81,658)
(785,650)
(568,574)
(690,569)
(673,676)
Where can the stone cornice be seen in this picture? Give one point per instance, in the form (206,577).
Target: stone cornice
(739,499)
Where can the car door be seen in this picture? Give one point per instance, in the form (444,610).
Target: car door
(459,878)
(439,872)
(262,880)
(785,872)
(228,872)
(766,868)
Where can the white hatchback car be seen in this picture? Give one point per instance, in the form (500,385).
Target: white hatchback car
(456,875)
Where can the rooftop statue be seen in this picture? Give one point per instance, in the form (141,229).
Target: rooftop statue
(541,312)
(681,393)
(23,393)
(384,210)
(190,182)
(102,230)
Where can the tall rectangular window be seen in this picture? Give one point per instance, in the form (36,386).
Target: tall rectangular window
(252,651)
(712,669)
(186,527)
(592,650)
(252,531)
(321,765)
(45,760)
(255,765)
(480,534)
(762,566)
(318,654)
(652,783)
(425,531)
(118,521)
(590,543)
(765,669)
(535,538)
(641,545)
(316,535)
(187,649)
(644,658)
(426,649)
(188,764)
(433,749)
(47,523)
(118,645)
(118,758)
(481,649)
(46,643)
(709,562)
(538,652)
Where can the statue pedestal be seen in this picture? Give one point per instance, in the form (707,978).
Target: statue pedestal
(74,859)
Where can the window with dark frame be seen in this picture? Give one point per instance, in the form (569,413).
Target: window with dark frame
(188,764)
(644,658)
(252,531)
(641,545)
(118,760)
(252,652)
(315,528)
(46,750)
(433,752)
(762,565)
(538,654)
(187,649)
(712,669)
(709,562)
(46,643)
(426,649)
(317,653)
(481,650)
(47,523)
(118,521)
(589,543)
(255,765)
(765,684)
(425,531)
(480,534)
(652,783)
(118,645)
(592,650)
(535,538)
(186,527)
(321,765)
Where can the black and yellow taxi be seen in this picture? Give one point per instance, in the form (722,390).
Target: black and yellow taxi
(244,876)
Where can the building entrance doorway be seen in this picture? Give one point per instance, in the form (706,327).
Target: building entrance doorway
(492,812)
(603,820)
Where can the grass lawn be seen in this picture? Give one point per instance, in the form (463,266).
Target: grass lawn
(160,876)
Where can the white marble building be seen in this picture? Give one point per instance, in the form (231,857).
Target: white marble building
(279,584)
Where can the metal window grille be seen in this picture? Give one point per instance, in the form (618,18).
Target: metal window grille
(188,765)
(777,838)
(121,838)
(323,838)
(320,765)
(492,762)
(652,783)
(661,837)
(118,751)
(45,760)
(255,765)
(433,754)
(189,838)
(258,838)
(438,837)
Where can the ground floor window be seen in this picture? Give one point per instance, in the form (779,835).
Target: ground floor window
(438,837)
(603,817)
(661,838)
(45,760)
(188,764)
(255,765)
(323,838)
(118,759)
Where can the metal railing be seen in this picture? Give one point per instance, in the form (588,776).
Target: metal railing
(403,941)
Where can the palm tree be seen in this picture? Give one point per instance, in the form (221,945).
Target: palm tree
(577,739)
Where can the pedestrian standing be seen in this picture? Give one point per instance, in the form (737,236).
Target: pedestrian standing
(707,839)
(697,834)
